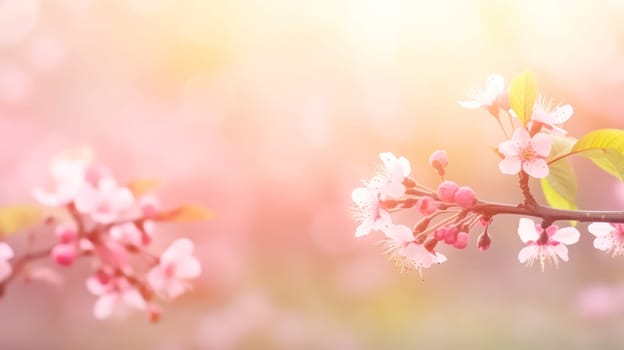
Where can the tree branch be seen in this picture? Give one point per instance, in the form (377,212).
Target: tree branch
(549,215)
(20,264)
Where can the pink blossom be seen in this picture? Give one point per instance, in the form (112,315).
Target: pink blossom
(546,245)
(69,178)
(113,292)
(128,233)
(389,180)
(408,254)
(609,237)
(550,117)
(106,202)
(461,241)
(525,153)
(6,254)
(176,267)
(369,211)
(491,98)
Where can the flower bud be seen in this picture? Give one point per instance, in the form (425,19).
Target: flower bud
(446,191)
(465,197)
(440,233)
(484,241)
(426,206)
(439,160)
(64,254)
(451,235)
(66,233)
(462,240)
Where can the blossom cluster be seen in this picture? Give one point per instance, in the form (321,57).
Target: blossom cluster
(113,226)
(451,212)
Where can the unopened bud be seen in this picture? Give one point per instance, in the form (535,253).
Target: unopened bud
(462,240)
(64,254)
(465,197)
(446,191)
(484,241)
(439,160)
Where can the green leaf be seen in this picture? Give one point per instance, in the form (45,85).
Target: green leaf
(522,95)
(16,218)
(560,186)
(185,213)
(141,186)
(604,147)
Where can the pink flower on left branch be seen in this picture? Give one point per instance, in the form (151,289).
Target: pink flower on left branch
(387,183)
(176,268)
(406,252)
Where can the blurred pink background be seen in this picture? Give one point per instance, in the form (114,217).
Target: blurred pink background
(270,113)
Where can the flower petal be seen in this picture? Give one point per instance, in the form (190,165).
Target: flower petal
(527,230)
(494,84)
(561,114)
(600,229)
(509,148)
(522,137)
(566,235)
(399,233)
(561,250)
(6,252)
(603,243)
(527,253)
(541,144)
(103,307)
(470,104)
(510,165)
(536,168)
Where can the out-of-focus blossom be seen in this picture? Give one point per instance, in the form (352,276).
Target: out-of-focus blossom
(177,266)
(106,202)
(113,292)
(491,98)
(546,245)
(6,254)
(527,153)
(406,252)
(369,211)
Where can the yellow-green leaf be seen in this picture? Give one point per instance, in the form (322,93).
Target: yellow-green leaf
(186,213)
(604,147)
(522,95)
(16,218)
(142,186)
(559,186)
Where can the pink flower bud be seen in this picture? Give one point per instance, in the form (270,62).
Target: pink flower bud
(439,160)
(484,241)
(66,233)
(462,240)
(64,254)
(465,197)
(451,235)
(440,233)
(446,191)
(426,206)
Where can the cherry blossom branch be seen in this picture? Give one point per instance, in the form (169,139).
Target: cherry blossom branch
(547,214)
